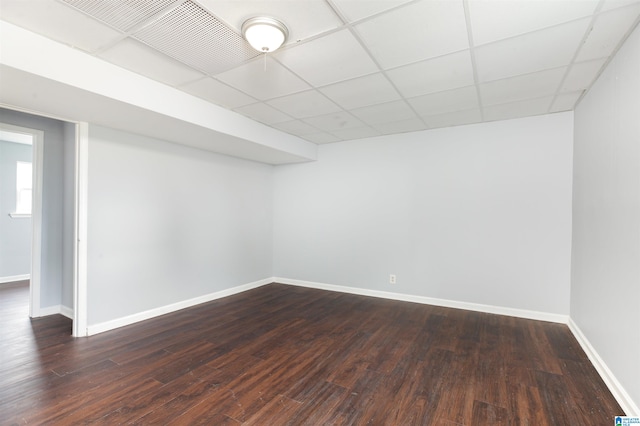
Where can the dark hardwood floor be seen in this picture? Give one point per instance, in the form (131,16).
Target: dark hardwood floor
(283,355)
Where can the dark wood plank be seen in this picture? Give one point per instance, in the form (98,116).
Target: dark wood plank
(560,407)
(284,355)
(485,414)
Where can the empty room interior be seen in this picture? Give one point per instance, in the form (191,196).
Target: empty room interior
(386,212)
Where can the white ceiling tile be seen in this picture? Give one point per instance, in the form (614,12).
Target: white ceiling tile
(550,48)
(321,138)
(363,91)
(253,79)
(455,118)
(328,59)
(493,20)
(324,86)
(305,104)
(522,87)
(582,74)
(218,93)
(384,113)
(608,30)
(419,31)
(434,75)
(566,101)
(296,127)
(441,102)
(59,22)
(303,19)
(263,113)
(518,109)
(336,121)
(403,126)
(356,133)
(355,10)
(613,4)
(140,58)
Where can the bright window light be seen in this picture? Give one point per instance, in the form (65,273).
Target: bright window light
(23,187)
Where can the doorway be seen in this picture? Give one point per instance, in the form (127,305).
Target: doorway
(21,201)
(55,259)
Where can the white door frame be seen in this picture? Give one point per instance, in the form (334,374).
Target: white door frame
(80,230)
(79,221)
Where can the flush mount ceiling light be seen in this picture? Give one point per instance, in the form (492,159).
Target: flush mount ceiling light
(264,34)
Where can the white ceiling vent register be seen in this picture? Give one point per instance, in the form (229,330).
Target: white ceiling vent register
(180,29)
(122,14)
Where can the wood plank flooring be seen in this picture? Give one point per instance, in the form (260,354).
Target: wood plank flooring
(283,355)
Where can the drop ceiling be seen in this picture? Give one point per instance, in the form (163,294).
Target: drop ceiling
(353,68)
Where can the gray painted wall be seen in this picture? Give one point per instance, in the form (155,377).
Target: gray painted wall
(605,287)
(167,223)
(478,214)
(54,234)
(15,233)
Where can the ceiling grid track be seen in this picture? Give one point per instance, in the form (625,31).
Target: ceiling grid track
(354,32)
(575,55)
(474,66)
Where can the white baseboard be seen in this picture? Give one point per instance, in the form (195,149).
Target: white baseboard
(44,312)
(162,310)
(519,313)
(66,311)
(619,393)
(13,278)
(54,310)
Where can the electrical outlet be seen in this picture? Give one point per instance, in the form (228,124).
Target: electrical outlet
(392,279)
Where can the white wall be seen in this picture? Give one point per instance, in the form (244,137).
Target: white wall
(605,285)
(15,233)
(53,196)
(478,214)
(168,223)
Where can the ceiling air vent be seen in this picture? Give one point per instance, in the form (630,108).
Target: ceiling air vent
(122,14)
(194,36)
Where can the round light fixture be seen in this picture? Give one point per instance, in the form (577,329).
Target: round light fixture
(264,34)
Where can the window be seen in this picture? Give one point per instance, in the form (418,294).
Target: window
(23,187)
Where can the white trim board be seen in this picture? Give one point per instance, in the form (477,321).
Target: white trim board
(499,310)
(55,310)
(81,173)
(14,278)
(162,310)
(619,393)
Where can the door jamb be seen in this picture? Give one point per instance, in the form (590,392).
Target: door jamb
(80,231)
